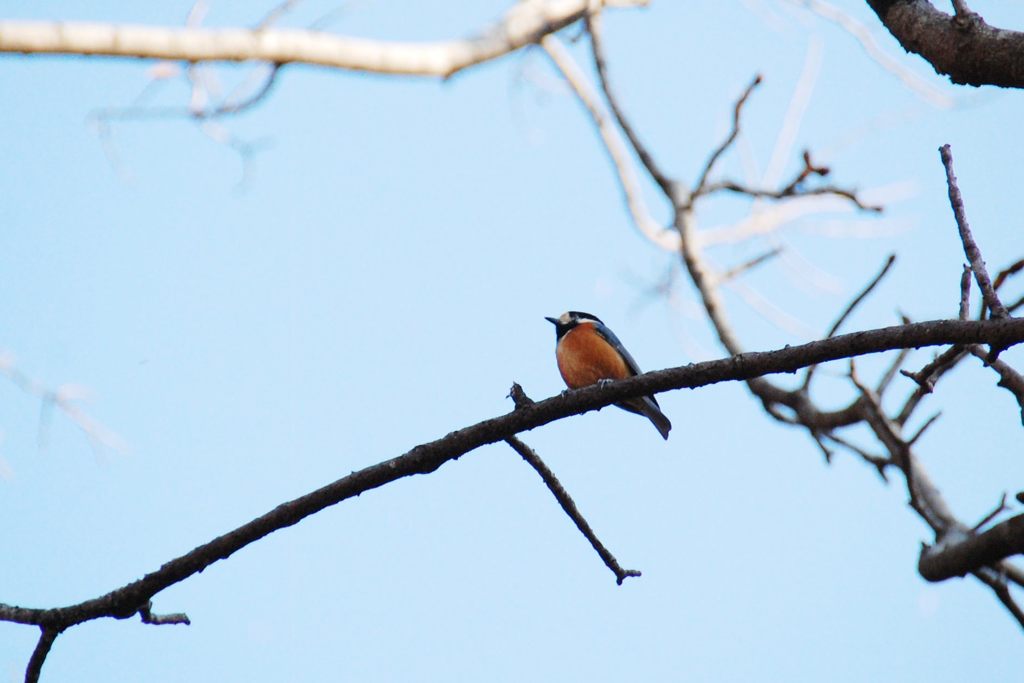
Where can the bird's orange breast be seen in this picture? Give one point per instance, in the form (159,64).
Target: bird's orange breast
(584,357)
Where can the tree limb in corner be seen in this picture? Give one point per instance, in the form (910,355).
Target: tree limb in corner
(963,47)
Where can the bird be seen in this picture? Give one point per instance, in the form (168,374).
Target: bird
(589,353)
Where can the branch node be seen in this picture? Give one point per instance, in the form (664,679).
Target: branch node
(999,509)
(519,396)
(147,616)
(701,186)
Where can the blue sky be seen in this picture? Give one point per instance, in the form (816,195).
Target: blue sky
(381,277)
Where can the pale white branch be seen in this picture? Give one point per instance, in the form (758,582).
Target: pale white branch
(525,23)
(614,144)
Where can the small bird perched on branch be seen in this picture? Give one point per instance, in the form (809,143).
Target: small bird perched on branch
(588,353)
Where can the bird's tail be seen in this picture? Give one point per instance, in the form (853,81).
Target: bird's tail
(658,419)
(647,407)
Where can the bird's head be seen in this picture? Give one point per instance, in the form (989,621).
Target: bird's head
(569,320)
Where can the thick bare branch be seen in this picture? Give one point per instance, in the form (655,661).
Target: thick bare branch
(961,554)
(964,47)
(865,35)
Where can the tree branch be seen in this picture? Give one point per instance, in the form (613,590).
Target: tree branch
(961,554)
(646,158)
(39,654)
(525,23)
(849,310)
(1009,378)
(128,600)
(569,506)
(971,250)
(699,187)
(964,47)
(614,145)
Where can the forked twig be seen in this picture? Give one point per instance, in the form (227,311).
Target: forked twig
(700,187)
(988,293)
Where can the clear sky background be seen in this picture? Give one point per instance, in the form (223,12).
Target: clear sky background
(379,278)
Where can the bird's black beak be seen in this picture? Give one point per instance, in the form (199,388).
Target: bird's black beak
(553,321)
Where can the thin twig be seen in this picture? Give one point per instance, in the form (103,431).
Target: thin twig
(886,431)
(860,297)
(970,246)
(147,616)
(1006,273)
(276,13)
(809,169)
(880,463)
(961,9)
(791,191)
(997,583)
(927,423)
(891,371)
(1009,378)
(228,107)
(849,310)
(646,158)
(738,270)
(926,378)
(965,293)
(569,506)
(999,509)
(819,439)
(699,187)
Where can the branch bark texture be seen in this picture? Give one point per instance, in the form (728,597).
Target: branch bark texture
(962,554)
(963,47)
